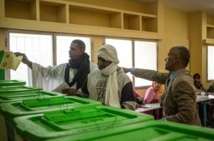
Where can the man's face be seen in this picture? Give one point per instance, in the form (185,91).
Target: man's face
(75,52)
(102,63)
(170,60)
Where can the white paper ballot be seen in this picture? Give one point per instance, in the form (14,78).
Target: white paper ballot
(61,87)
(9,60)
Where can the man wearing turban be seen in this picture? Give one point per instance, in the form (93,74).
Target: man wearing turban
(109,84)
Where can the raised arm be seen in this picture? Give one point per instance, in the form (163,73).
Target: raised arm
(151,75)
(25,60)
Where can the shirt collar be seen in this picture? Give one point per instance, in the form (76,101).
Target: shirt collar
(172,75)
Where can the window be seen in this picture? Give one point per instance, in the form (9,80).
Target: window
(133,53)
(39,48)
(210,66)
(145,57)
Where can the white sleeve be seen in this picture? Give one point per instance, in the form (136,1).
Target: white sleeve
(49,77)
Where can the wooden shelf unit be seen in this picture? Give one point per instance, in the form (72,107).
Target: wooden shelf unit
(69,13)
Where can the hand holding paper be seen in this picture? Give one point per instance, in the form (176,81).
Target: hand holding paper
(9,60)
(61,87)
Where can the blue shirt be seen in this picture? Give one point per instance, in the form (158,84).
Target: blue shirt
(172,75)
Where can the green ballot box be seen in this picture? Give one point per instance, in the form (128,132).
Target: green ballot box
(9,94)
(12,83)
(146,131)
(45,104)
(12,90)
(75,121)
(6,98)
(37,105)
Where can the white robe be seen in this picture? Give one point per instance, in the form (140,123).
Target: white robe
(51,77)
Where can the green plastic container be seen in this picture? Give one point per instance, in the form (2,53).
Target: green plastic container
(41,105)
(75,121)
(11,83)
(12,90)
(27,93)
(147,131)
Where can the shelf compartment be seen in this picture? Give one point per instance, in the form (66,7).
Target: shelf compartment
(210,27)
(52,11)
(149,23)
(94,17)
(20,9)
(131,21)
(210,31)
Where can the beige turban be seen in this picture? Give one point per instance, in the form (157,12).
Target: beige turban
(109,53)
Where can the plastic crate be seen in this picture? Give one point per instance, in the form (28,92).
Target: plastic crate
(75,121)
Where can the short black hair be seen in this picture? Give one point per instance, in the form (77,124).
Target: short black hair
(183,53)
(80,43)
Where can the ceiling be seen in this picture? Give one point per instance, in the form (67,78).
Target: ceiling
(190,5)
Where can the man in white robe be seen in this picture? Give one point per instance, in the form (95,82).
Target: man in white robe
(71,74)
